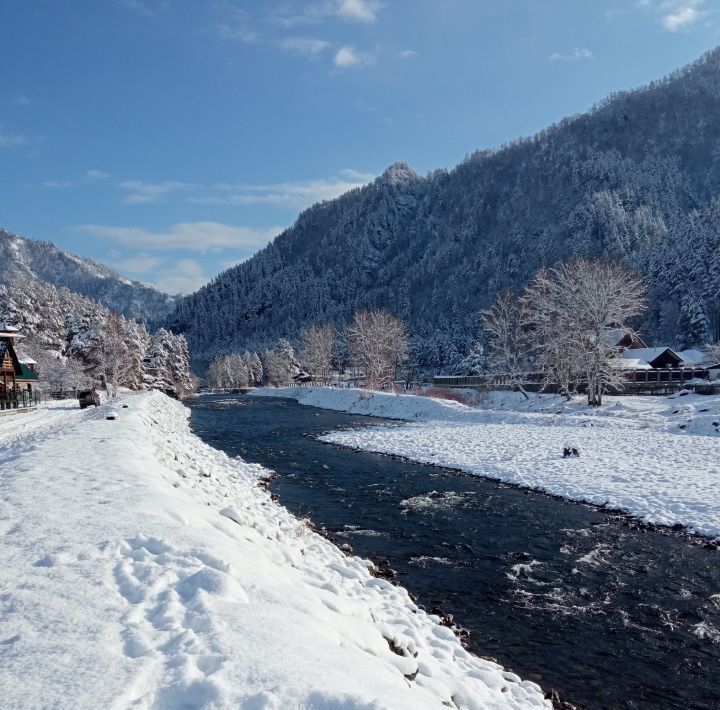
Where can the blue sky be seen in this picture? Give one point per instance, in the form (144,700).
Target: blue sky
(173,138)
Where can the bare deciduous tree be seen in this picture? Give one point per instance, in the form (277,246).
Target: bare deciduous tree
(504,327)
(318,349)
(280,364)
(574,312)
(712,354)
(377,343)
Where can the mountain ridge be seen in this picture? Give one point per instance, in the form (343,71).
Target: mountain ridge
(634,179)
(44,261)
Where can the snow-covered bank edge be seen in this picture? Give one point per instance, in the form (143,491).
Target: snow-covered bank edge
(404,407)
(201,587)
(636,459)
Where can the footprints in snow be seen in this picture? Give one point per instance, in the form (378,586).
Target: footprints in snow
(167,627)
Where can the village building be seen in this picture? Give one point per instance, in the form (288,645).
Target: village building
(18,378)
(653,358)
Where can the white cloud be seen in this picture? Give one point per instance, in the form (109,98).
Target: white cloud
(676,15)
(140,192)
(408,54)
(291,195)
(307,46)
(193,236)
(364,11)
(348,57)
(354,11)
(184,277)
(680,19)
(577,55)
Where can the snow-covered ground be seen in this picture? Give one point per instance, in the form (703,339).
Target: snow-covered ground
(657,458)
(141,568)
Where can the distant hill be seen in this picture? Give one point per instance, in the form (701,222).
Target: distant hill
(634,179)
(43,261)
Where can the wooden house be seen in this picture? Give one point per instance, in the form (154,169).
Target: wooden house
(628,341)
(17,378)
(658,358)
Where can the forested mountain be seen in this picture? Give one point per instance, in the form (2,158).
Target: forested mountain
(635,179)
(22,258)
(78,342)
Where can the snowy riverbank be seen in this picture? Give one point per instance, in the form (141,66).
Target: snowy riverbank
(656,458)
(143,568)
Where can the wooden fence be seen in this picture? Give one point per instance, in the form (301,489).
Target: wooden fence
(648,382)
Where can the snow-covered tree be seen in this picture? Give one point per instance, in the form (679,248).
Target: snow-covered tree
(167,363)
(255,368)
(377,345)
(712,354)
(280,364)
(573,314)
(318,350)
(475,362)
(507,346)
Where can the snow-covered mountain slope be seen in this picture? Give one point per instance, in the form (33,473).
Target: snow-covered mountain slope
(635,180)
(153,571)
(22,258)
(657,458)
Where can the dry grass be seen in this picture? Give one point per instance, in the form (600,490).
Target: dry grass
(446,393)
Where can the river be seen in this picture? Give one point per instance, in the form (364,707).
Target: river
(608,613)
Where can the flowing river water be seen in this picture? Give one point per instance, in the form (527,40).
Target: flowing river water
(608,613)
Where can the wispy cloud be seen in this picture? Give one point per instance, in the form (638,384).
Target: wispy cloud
(578,54)
(139,192)
(235,25)
(183,277)
(148,8)
(141,263)
(291,195)
(192,236)
(347,57)
(408,54)
(176,277)
(11,140)
(352,11)
(89,177)
(305,46)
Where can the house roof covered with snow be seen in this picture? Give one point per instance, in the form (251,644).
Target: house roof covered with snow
(655,357)
(8,331)
(693,357)
(622,339)
(632,363)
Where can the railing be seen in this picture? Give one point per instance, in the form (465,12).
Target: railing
(661,381)
(62,394)
(21,399)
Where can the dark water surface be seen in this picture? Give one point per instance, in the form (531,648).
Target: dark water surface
(565,595)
